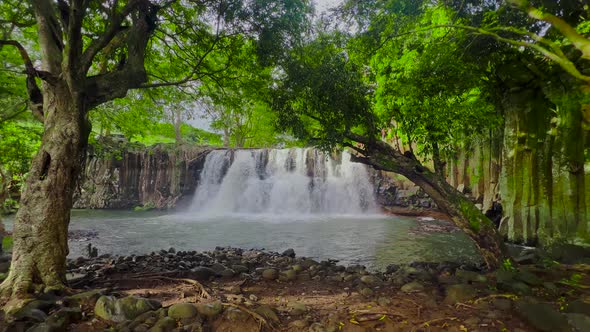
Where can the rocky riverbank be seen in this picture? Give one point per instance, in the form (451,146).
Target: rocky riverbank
(231,289)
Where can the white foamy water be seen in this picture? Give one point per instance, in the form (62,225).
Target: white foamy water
(282,182)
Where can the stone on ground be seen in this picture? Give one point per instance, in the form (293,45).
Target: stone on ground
(182,311)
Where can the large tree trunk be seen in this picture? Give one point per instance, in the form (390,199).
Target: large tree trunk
(41,226)
(461,210)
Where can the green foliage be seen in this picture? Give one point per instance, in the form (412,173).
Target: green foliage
(146,207)
(7,243)
(508,266)
(320,95)
(574,280)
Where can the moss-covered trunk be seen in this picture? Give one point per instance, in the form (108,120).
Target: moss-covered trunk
(41,226)
(459,208)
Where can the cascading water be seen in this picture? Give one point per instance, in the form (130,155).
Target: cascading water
(287,181)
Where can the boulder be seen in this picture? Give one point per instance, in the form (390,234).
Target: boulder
(578,307)
(209,310)
(270,274)
(460,293)
(235,315)
(202,273)
(289,253)
(470,276)
(543,317)
(267,312)
(370,280)
(64,317)
(164,325)
(288,275)
(182,311)
(579,322)
(412,287)
(366,292)
(240,269)
(127,308)
(297,309)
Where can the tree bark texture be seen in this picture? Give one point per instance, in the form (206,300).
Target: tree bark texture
(41,226)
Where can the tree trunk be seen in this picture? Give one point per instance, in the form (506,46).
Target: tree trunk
(439,164)
(461,210)
(40,235)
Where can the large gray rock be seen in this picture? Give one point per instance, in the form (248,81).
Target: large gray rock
(120,310)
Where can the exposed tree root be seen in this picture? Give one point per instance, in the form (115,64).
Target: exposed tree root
(261,320)
(494,296)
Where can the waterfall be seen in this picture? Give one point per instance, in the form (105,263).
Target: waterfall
(286,181)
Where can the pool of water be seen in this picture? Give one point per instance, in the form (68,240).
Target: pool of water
(372,240)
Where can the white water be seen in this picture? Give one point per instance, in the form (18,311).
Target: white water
(282,182)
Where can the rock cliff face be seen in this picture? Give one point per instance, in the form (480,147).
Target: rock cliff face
(122,176)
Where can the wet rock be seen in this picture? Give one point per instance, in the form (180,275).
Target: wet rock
(297,268)
(182,311)
(460,293)
(267,312)
(209,310)
(289,253)
(270,274)
(579,322)
(412,287)
(86,298)
(127,308)
(543,317)
(370,280)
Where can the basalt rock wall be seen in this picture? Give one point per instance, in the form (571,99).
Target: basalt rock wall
(122,176)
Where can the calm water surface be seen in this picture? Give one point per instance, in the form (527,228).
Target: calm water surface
(373,240)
